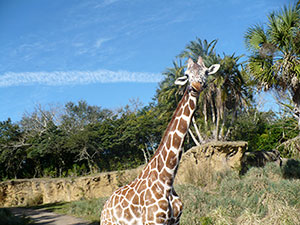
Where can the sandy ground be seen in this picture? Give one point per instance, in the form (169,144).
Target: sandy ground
(41,216)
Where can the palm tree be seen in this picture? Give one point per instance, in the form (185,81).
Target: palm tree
(204,49)
(219,102)
(275,54)
(225,95)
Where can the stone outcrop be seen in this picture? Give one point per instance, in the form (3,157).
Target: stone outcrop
(213,156)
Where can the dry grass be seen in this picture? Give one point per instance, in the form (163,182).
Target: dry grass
(261,196)
(205,177)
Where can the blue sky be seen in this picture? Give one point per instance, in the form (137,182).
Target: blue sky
(107,51)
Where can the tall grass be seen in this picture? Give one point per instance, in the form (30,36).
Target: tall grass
(269,196)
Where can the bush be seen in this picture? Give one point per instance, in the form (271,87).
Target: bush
(35,200)
(292,169)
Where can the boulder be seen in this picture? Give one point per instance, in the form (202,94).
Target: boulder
(212,156)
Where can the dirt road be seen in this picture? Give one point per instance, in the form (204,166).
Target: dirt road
(41,216)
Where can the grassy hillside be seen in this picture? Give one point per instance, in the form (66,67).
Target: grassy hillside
(262,196)
(267,195)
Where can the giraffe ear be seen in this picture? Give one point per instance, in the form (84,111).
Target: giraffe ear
(181,80)
(213,69)
(190,63)
(200,61)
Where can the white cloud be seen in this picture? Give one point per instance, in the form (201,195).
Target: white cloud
(57,78)
(100,41)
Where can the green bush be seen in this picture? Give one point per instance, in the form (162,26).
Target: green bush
(292,169)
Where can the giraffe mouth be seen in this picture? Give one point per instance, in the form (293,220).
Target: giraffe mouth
(197,86)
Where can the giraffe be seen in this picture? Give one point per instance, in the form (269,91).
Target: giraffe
(151,199)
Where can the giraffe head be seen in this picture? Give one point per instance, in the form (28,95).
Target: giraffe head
(196,74)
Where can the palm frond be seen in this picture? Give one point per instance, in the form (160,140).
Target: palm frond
(254,38)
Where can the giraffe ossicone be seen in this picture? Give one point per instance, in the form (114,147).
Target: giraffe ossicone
(151,199)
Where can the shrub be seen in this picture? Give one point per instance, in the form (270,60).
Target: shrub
(35,200)
(292,169)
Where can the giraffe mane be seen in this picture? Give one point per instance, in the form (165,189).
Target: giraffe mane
(164,137)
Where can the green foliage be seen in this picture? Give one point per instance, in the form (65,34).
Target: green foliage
(265,131)
(291,169)
(82,139)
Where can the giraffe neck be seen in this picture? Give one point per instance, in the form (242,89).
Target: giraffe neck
(163,165)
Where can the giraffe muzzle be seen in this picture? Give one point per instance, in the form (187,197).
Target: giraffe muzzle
(197,86)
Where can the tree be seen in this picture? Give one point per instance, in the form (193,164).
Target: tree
(12,151)
(275,54)
(78,115)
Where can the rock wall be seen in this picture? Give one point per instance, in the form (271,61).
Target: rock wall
(37,191)
(213,156)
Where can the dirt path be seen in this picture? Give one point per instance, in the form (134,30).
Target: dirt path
(41,216)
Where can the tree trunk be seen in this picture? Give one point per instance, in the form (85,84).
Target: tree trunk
(213,113)
(205,112)
(197,130)
(193,137)
(217,127)
(296,100)
(296,111)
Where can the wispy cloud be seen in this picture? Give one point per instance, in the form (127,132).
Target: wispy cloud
(105,3)
(100,41)
(57,78)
